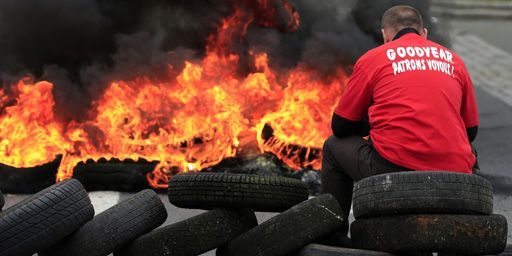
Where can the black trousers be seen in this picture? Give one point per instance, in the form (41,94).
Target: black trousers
(346,160)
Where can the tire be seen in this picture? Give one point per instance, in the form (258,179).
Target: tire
(419,192)
(457,234)
(322,250)
(114,228)
(114,175)
(193,236)
(289,231)
(14,180)
(226,190)
(44,218)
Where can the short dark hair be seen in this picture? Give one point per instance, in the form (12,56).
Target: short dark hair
(402,16)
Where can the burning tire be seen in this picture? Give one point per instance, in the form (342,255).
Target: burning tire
(422,192)
(322,250)
(260,193)
(15,180)
(44,219)
(193,236)
(114,174)
(114,228)
(290,230)
(457,234)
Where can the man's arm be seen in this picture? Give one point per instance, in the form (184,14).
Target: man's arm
(351,114)
(342,127)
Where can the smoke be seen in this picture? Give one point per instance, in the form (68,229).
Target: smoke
(83,45)
(367,14)
(334,33)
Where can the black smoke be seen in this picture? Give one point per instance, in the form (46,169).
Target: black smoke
(367,14)
(82,45)
(334,32)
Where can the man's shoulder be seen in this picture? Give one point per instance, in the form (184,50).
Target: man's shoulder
(372,54)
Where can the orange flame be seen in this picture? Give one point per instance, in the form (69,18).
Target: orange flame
(29,135)
(191,121)
(301,124)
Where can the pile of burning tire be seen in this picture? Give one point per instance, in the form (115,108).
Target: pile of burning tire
(404,213)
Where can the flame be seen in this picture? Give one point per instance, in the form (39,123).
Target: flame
(191,121)
(301,124)
(29,135)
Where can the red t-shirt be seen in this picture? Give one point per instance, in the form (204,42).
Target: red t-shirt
(419,99)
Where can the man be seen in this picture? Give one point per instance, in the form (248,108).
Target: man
(420,104)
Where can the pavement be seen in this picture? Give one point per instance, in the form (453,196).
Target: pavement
(490,68)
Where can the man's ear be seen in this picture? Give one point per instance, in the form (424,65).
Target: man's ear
(424,33)
(385,35)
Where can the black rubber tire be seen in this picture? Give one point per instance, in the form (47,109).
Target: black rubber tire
(15,180)
(193,236)
(289,231)
(114,175)
(44,218)
(322,250)
(114,228)
(443,233)
(419,192)
(230,190)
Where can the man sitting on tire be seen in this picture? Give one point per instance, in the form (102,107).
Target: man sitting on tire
(420,104)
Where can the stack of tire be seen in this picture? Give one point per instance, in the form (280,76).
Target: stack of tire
(59,220)
(411,212)
(230,223)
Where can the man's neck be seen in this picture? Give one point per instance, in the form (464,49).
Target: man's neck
(405,31)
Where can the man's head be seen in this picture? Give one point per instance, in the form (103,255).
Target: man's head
(400,17)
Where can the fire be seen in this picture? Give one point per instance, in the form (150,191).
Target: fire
(296,131)
(29,135)
(191,121)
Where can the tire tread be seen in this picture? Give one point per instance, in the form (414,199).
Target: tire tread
(211,190)
(42,220)
(422,192)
